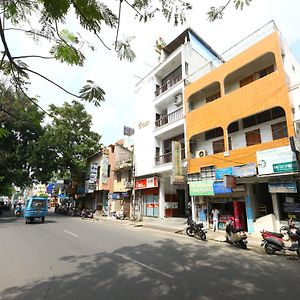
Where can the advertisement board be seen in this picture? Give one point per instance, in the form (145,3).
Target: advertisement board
(201,188)
(146,183)
(276,160)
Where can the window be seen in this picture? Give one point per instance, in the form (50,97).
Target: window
(218,146)
(213,133)
(279,130)
(264,72)
(119,176)
(208,173)
(233,127)
(253,137)
(108,170)
(246,80)
(213,97)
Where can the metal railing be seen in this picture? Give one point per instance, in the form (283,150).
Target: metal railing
(167,85)
(170,118)
(167,158)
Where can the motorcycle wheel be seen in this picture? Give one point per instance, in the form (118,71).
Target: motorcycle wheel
(243,245)
(190,232)
(199,234)
(269,250)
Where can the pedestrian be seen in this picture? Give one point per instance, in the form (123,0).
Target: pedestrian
(215,214)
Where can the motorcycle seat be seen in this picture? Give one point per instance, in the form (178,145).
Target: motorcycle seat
(280,235)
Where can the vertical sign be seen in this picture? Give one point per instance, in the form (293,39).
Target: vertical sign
(177,176)
(104,169)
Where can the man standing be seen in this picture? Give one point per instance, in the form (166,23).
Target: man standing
(215,214)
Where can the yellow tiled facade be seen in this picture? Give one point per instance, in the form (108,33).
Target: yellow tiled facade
(260,95)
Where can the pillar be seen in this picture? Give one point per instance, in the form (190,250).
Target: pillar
(249,204)
(161,198)
(276,224)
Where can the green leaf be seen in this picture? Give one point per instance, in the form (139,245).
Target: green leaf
(68,54)
(92,93)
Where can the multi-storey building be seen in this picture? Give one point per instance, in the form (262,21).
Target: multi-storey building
(121,198)
(99,180)
(160,165)
(241,134)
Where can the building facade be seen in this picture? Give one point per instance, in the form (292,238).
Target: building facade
(159,147)
(242,135)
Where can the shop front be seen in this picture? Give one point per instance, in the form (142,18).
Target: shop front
(147,193)
(209,195)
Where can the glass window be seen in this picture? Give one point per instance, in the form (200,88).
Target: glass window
(279,130)
(253,137)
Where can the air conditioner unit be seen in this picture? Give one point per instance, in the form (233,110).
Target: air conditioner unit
(178,100)
(201,153)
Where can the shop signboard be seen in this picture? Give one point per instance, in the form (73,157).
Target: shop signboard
(291,207)
(201,188)
(282,187)
(223,171)
(276,160)
(247,170)
(104,169)
(93,173)
(219,188)
(146,183)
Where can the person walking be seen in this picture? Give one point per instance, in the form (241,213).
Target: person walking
(215,214)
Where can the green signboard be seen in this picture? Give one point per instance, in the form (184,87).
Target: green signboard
(201,188)
(285,167)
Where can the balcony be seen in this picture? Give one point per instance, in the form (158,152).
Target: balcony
(167,158)
(160,90)
(170,118)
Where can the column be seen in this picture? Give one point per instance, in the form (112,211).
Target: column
(276,224)
(161,198)
(249,208)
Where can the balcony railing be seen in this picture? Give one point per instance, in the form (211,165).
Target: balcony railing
(170,118)
(167,158)
(167,85)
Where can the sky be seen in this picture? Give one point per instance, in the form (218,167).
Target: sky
(118,78)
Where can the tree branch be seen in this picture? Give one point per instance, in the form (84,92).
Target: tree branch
(33,56)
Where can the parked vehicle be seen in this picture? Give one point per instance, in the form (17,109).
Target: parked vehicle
(120,215)
(273,241)
(235,236)
(87,213)
(195,230)
(35,208)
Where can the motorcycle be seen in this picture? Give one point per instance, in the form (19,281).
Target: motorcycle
(87,214)
(18,211)
(273,241)
(195,230)
(120,215)
(235,237)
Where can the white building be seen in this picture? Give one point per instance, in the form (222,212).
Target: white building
(160,186)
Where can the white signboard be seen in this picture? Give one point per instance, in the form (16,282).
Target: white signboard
(276,160)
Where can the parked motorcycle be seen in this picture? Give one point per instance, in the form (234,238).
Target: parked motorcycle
(235,237)
(195,230)
(18,211)
(273,241)
(87,214)
(120,215)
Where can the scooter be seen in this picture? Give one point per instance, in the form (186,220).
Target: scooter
(87,213)
(235,237)
(18,211)
(195,230)
(120,215)
(273,241)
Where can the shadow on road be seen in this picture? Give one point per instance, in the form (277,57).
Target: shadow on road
(166,270)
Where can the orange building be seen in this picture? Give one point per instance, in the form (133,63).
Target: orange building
(240,134)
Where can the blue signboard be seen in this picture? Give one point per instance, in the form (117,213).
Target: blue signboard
(220,189)
(282,187)
(247,170)
(224,171)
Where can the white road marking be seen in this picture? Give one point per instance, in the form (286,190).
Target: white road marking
(146,266)
(71,233)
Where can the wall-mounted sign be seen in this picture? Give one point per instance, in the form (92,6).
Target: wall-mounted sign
(93,173)
(143,124)
(146,183)
(171,205)
(247,170)
(223,171)
(220,189)
(201,188)
(282,187)
(276,160)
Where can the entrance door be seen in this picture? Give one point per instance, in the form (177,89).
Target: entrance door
(181,203)
(151,207)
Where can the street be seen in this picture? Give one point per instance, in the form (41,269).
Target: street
(70,258)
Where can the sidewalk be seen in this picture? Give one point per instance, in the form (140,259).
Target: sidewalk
(178,226)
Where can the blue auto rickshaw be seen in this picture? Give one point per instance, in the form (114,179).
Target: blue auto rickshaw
(36,208)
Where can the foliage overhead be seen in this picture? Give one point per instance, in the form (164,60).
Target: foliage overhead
(67,47)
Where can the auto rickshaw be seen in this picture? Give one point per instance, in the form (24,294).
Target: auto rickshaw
(36,207)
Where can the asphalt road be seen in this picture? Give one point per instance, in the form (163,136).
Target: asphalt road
(70,258)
